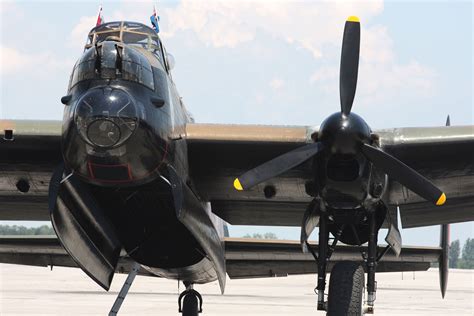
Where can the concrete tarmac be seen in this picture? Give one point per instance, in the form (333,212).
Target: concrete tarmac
(67,291)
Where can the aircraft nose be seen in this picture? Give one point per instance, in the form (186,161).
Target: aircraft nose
(106,117)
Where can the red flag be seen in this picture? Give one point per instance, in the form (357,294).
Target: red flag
(100,19)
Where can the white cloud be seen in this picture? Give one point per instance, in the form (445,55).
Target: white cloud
(229,23)
(277,84)
(11,8)
(13,61)
(381,77)
(314,26)
(78,35)
(259,99)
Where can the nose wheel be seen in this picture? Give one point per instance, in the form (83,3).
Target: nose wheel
(190,302)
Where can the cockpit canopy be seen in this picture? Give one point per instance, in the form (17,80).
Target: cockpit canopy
(131,33)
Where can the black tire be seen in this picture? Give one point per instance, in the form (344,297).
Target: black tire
(190,305)
(346,289)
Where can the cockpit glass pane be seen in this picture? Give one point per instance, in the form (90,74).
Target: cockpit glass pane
(127,32)
(122,42)
(136,39)
(136,68)
(85,67)
(108,26)
(112,35)
(89,39)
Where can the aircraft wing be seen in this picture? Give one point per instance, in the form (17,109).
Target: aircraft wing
(256,258)
(30,150)
(245,258)
(220,153)
(44,251)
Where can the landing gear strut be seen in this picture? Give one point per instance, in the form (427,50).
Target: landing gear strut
(371,263)
(347,278)
(190,302)
(322,259)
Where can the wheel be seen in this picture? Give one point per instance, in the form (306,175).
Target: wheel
(190,305)
(346,289)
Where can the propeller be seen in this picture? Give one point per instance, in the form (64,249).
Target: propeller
(345,133)
(408,177)
(277,166)
(349,64)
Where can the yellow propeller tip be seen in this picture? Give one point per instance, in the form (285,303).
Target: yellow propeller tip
(441,200)
(353,18)
(237,185)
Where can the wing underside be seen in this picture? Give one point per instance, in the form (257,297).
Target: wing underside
(245,258)
(46,251)
(254,258)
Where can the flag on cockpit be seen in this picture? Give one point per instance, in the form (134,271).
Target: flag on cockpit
(155,18)
(100,18)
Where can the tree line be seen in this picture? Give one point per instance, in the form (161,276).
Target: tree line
(464,259)
(261,236)
(22,230)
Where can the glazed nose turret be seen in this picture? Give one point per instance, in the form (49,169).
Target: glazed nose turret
(106,117)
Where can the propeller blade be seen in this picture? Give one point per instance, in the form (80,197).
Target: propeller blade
(349,63)
(404,174)
(276,166)
(310,221)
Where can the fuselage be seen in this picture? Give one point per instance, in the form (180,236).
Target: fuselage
(123,128)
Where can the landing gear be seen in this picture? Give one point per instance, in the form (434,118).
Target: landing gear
(371,263)
(190,302)
(322,259)
(346,286)
(346,289)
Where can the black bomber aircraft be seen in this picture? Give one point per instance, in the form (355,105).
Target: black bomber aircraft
(133,185)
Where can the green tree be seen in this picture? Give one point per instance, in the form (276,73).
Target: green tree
(454,251)
(268,235)
(44,230)
(467,259)
(25,231)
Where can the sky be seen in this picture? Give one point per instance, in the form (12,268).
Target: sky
(263,62)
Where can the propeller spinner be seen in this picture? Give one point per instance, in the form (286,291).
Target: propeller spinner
(347,133)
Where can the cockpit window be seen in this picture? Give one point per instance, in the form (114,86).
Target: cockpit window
(107,36)
(127,32)
(110,60)
(107,57)
(135,38)
(136,68)
(107,26)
